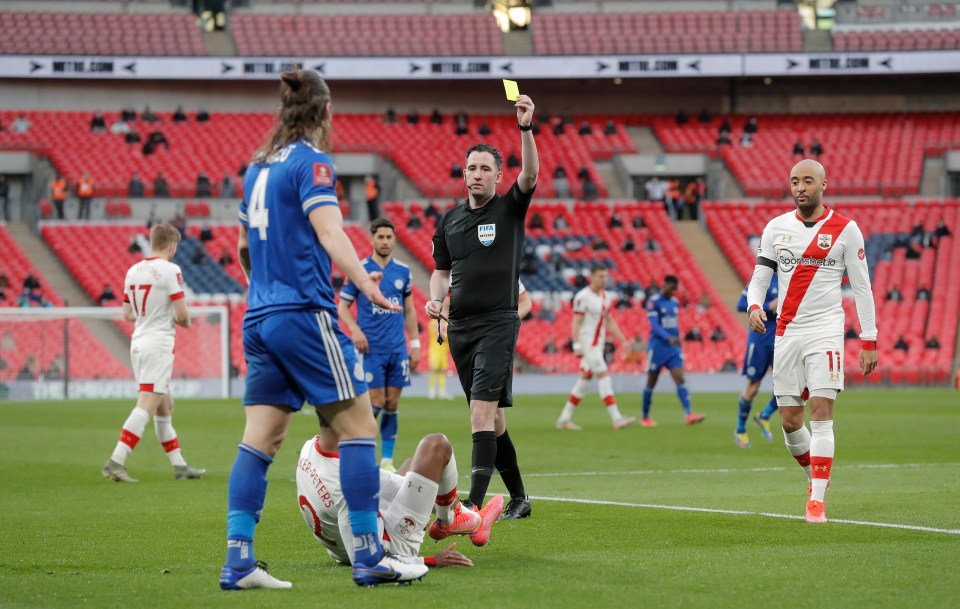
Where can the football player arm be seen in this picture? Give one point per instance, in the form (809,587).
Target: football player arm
(128,314)
(181,316)
(615,329)
(855,261)
(530,160)
(575,333)
(243,252)
(742,303)
(760,282)
(413,333)
(656,328)
(327,222)
(359,338)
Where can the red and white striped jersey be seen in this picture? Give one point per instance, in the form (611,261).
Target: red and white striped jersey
(151,287)
(810,258)
(594,307)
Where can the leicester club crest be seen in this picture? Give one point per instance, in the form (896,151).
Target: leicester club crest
(487,233)
(824,241)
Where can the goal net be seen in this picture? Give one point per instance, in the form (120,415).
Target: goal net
(84,352)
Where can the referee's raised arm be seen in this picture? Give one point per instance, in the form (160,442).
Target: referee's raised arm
(530,160)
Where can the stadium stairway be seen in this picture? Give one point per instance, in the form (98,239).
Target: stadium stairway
(68,289)
(714,263)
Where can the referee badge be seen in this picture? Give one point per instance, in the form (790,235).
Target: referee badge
(487,233)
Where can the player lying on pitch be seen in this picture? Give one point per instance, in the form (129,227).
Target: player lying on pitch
(407,499)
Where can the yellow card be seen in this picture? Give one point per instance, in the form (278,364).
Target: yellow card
(513,91)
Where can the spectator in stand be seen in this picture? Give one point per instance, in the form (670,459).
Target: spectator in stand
(652,245)
(206,234)
(132,137)
(84,194)
(558,127)
(5,197)
(798,149)
(615,220)
(717,335)
(599,245)
(160,187)
(725,127)
(461,123)
(750,126)
(894,294)
(682,118)
(200,257)
(180,223)
(942,230)
(148,116)
(413,117)
(628,245)
(371,191)
(560,223)
(656,189)
(243,170)
(120,127)
(226,187)
(106,296)
(414,222)
(55,371)
(30,370)
(225,258)
(923,293)
(435,117)
(536,220)
(513,161)
(128,114)
(691,197)
(590,190)
(585,129)
(456,171)
(746,140)
(932,343)
(559,171)
(432,211)
(484,129)
(674,197)
(639,222)
(203,184)
(705,117)
(816,149)
(20,125)
(550,347)
(583,173)
(135,189)
(724,139)
(58,194)
(179,116)
(901,344)
(609,129)
(154,141)
(561,187)
(97,123)
(4,286)
(693,335)
(390,116)
(202,115)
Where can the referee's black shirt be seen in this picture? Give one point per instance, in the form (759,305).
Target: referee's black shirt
(482,248)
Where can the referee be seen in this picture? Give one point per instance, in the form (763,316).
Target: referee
(476,250)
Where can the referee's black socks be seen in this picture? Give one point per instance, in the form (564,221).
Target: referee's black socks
(484,459)
(508,467)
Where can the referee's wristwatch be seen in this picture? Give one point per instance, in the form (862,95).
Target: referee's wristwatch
(525,127)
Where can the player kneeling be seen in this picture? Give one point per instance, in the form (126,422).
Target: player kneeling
(407,499)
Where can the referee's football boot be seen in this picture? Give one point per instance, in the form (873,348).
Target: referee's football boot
(247,579)
(519,507)
(116,472)
(392,569)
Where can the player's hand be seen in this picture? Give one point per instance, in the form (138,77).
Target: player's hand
(868,361)
(758,319)
(360,341)
(448,557)
(673,340)
(433,309)
(183,323)
(371,289)
(578,351)
(414,358)
(524,106)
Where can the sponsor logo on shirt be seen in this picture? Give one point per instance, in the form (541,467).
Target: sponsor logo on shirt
(322,174)
(788,261)
(487,233)
(860,254)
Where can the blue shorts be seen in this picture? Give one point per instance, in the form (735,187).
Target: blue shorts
(661,356)
(758,359)
(387,370)
(300,356)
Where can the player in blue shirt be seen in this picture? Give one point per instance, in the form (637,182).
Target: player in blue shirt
(758,360)
(664,351)
(379,334)
(291,231)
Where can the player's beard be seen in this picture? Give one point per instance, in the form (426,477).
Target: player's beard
(807,207)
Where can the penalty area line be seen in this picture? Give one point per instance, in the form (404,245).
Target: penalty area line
(732,470)
(682,508)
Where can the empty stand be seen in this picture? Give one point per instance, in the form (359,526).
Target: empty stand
(896,40)
(107,34)
(733,225)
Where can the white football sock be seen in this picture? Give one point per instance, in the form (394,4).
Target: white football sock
(605,386)
(821,445)
(167,435)
(130,434)
(576,394)
(447,487)
(798,443)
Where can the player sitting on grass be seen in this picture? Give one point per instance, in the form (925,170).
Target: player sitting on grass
(407,499)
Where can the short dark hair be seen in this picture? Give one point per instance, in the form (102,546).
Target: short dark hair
(598,267)
(381,223)
(498,159)
(671,279)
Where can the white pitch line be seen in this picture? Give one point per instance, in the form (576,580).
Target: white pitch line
(730,470)
(681,508)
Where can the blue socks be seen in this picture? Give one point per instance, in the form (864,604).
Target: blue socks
(245,494)
(388,433)
(647,401)
(769,409)
(376,411)
(743,414)
(360,481)
(684,396)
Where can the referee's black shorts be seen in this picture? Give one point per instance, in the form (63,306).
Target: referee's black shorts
(482,349)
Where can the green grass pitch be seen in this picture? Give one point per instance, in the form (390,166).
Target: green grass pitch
(69,538)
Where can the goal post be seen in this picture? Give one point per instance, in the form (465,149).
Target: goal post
(84,352)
